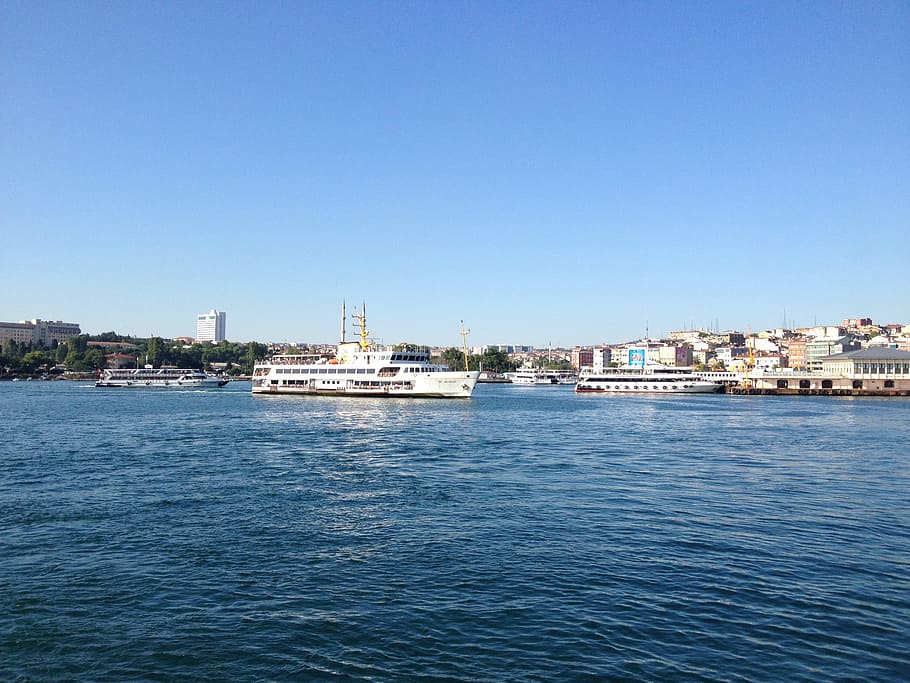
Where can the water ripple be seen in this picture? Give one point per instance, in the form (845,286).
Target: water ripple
(521,536)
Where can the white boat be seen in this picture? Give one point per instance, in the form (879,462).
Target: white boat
(532,376)
(653,378)
(362,368)
(159,377)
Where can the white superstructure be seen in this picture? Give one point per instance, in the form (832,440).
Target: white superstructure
(159,377)
(362,368)
(651,378)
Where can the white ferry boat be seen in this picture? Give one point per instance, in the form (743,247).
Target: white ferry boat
(653,378)
(532,376)
(362,368)
(159,377)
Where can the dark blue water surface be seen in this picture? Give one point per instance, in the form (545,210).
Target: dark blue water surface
(528,534)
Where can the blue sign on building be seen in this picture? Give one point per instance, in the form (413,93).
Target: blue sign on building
(637,358)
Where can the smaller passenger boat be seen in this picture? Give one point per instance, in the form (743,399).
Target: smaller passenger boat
(652,378)
(532,376)
(159,377)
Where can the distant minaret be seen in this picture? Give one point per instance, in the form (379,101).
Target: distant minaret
(343,321)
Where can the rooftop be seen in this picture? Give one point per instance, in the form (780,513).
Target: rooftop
(877,353)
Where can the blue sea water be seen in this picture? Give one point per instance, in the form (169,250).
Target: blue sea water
(528,534)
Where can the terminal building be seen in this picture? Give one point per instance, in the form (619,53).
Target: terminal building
(878,370)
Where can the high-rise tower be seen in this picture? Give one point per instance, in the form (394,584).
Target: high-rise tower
(210,326)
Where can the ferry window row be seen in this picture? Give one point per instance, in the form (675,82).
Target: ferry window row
(636,379)
(325,371)
(347,371)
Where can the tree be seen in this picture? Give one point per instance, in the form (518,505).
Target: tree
(11,350)
(33,360)
(495,360)
(76,348)
(254,351)
(454,358)
(93,360)
(153,351)
(191,357)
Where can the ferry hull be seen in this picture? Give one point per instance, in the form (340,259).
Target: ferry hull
(460,385)
(151,384)
(650,389)
(164,378)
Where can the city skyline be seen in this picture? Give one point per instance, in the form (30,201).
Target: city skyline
(209,327)
(573,173)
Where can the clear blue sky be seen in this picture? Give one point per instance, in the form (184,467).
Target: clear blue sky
(565,172)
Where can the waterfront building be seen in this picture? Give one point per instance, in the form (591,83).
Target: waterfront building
(819,348)
(881,371)
(210,326)
(39,332)
(875,363)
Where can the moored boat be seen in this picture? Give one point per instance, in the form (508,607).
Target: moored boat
(362,368)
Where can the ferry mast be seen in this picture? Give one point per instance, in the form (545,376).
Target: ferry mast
(464,343)
(361,319)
